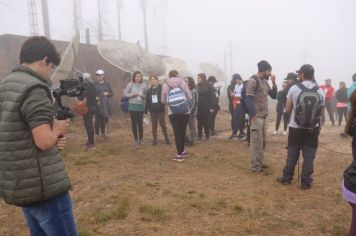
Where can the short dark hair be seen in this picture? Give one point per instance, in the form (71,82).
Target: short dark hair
(191,83)
(134,75)
(37,48)
(173,73)
(354,77)
(308,71)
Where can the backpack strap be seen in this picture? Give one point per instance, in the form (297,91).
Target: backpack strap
(257,82)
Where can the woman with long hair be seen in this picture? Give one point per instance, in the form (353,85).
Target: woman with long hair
(156,108)
(341,105)
(349,185)
(189,81)
(136,92)
(206,96)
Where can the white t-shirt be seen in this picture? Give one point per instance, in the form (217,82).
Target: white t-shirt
(293,94)
(238,89)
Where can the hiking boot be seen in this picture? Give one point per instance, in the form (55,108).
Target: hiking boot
(232,138)
(241,136)
(283,181)
(154,142)
(90,147)
(178,158)
(265,166)
(305,186)
(185,154)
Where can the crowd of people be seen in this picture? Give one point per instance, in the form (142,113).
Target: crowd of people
(31,138)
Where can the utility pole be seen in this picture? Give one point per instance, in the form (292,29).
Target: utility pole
(45,16)
(231,59)
(119,7)
(143,7)
(78,22)
(32,15)
(100,21)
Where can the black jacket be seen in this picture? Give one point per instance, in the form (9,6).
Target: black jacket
(154,107)
(350,172)
(341,95)
(206,98)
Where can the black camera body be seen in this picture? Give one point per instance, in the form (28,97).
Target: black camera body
(70,88)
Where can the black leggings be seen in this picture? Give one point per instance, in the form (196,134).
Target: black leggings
(342,112)
(179,123)
(285,120)
(353,220)
(136,121)
(203,122)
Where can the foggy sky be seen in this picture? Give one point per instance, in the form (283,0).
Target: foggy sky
(287,33)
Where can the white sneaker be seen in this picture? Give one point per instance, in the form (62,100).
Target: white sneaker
(284,133)
(275,132)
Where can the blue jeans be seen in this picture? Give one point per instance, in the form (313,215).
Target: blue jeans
(52,218)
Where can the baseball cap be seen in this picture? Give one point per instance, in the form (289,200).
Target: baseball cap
(212,79)
(307,70)
(291,76)
(99,72)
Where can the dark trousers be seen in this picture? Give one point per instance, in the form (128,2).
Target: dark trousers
(155,118)
(238,120)
(137,124)
(301,140)
(231,109)
(342,111)
(203,122)
(179,123)
(285,120)
(329,109)
(100,123)
(353,220)
(88,123)
(212,121)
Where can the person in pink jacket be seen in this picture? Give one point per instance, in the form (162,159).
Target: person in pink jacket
(179,120)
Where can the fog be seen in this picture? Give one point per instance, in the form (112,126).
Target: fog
(287,33)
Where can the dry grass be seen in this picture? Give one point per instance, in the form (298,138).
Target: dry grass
(122,190)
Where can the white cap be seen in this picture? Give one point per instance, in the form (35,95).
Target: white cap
(99,72)
(86,76)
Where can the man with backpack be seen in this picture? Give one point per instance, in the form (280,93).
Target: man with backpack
(306,102)
(176,94)
(257,92)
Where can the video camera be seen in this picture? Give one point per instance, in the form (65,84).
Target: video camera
(70,88)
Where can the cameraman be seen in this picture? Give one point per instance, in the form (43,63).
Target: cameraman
(32,173)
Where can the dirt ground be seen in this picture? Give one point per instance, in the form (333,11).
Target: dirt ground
(122,190)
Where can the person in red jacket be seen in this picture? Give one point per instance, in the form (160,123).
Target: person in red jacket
(329,92)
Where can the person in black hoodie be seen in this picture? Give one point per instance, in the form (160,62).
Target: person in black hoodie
(349,185)
(157,109)
(216,105)
(341,105)
(206,96)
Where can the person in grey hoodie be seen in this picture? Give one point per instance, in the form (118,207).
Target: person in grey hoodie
(179,121)
(189,81)
(136,92)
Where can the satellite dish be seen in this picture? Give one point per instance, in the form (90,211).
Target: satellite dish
(177,64)
(210,69)
(65,69)
(131,57)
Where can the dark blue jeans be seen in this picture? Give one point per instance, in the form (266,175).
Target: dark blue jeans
(52,218)
(238,120)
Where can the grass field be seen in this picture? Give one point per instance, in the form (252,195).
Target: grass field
(122,190)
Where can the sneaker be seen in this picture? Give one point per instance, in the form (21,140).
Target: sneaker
(232,138)
(305,186)
(136,143)
(178,158)
(284,133)
(140,142)
(283,181)
(185,154)
(154,142)
(213,134)
(265,166)
(90,147)
(275,132)
(256,170)
(167,142)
